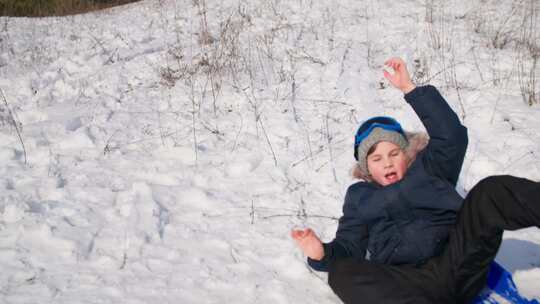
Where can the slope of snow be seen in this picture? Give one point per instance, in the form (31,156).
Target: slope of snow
(171,145)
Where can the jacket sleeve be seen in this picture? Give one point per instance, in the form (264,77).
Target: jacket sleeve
(443,156)
(351,237)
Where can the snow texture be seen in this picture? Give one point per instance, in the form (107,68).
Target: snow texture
(170,146)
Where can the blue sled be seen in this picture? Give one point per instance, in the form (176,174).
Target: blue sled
(501,286)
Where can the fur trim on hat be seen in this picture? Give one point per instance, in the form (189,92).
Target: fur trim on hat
(417,142)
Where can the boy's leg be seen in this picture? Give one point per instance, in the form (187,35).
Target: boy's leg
(365,282)
(495,204)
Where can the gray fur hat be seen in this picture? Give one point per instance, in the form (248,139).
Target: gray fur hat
(378,135)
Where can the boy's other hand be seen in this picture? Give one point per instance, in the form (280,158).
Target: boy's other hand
(309,242)
(400,78)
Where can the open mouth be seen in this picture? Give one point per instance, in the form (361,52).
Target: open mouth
(391,177)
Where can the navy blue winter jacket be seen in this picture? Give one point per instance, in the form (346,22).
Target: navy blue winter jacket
(406,222)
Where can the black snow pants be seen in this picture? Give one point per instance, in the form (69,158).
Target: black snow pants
(495,204)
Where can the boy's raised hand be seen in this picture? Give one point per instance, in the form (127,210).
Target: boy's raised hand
(309,242)
(400,78)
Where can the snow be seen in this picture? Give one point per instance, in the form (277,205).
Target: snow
(172,145)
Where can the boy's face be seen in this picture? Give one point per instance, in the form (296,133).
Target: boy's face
(387,164)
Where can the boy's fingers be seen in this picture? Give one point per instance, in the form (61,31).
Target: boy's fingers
(311,234)
(386,75)
(389,77)
(306,233)
(300,234)
(392,59)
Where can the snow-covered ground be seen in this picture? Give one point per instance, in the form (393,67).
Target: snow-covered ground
(170,146)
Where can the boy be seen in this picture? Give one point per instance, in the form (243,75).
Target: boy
(426,244)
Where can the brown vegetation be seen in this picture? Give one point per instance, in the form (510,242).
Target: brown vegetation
(40,8)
